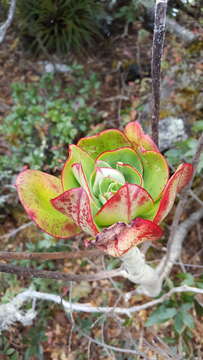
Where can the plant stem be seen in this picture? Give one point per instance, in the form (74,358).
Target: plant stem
(141,273)
(157,49)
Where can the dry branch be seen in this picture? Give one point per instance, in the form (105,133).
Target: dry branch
(70,306)
(15,231)
(77,254)
(5,26)
(179,232)
(57,275)
(175,239)
(176,245)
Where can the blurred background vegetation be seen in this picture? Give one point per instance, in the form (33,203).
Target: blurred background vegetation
(70,69)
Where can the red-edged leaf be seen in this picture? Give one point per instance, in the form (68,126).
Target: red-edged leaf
(80,177)
(75,203)
(35,190)
(129,202)
(76,155)
(125,155)
(131,174)
(119,238)
(175,184)
(82,180)
(138,138)
(104,141)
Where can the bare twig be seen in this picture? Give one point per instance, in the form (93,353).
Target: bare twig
(194,196)
(175,248)
(11,255)
(15,231)
(114,348)
(157,49)
(5,26)
(180,208)
(116,98)
(196,157)
(57,275)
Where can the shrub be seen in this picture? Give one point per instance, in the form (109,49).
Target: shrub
(59,26)
(41,123)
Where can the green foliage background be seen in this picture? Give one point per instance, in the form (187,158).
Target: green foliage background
(42,123)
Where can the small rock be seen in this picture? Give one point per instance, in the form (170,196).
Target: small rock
(171,130)
(50,67)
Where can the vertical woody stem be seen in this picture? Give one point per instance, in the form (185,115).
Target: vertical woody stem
(141,273)
(157,49)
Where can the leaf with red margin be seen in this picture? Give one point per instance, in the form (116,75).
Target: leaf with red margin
(35,190)
(76,204)
(129,202)
(176,183)
(119,238)
(82,180)
(138,138)
(126,155)
(76,155)
(155,174)
(130,174)
(104,141)
(80,177)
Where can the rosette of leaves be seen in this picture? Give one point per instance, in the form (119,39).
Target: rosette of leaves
(59,25)
(114,186)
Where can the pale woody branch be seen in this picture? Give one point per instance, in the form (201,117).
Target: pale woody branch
(178,233)
(5,26)
(10,312)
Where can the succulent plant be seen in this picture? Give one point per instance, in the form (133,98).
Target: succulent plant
(114,186)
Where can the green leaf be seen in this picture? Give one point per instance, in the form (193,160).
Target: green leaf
(188,319)
(198,126)
(176,183)
(131,175)
(161,315)
(155,173)
(102,177)
(129,202)
(104,141)
(35,190)
(178,323)
(10,351)
(76,155)
(188,279)
(121,156)
(186,307)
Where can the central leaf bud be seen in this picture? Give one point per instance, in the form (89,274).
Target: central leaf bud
(106,182)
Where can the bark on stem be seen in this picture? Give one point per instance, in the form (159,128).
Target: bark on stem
(141,273)
(157,49)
